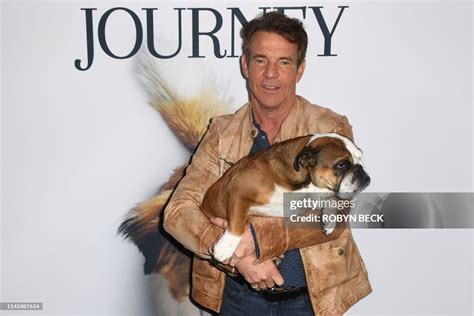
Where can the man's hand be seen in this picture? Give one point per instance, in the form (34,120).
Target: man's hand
(246,246)
(260,276)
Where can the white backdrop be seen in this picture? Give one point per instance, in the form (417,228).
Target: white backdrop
(79,148)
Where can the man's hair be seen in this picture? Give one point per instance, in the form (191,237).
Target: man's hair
(275,22)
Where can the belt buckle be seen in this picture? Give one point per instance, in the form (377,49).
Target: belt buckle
(283,290)
(281,293)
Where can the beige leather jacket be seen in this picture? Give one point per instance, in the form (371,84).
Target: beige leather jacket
(335,273)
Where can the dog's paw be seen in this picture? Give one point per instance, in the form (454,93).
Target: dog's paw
(328,226)
(226,246)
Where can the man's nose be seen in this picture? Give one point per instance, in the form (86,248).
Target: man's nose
(271,71)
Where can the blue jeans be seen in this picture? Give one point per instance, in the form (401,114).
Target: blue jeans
(241,300)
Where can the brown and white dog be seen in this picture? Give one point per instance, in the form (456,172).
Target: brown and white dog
(255,185)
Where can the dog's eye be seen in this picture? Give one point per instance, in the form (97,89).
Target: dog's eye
(341,165)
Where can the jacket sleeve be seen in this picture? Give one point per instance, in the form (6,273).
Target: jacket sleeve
(272,234)
(182,217)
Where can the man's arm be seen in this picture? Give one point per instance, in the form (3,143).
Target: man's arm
(182,217)
(187,224)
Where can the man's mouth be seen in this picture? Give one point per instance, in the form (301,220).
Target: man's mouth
(270,87)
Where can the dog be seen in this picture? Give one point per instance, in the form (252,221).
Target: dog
(319,163)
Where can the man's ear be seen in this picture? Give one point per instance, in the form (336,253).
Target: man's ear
(245,66)
(300,71)
(307,157)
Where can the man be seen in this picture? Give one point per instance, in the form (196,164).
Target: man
(322,274)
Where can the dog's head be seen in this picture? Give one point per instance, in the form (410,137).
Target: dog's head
(333,162)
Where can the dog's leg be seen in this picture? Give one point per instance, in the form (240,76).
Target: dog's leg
(237,219)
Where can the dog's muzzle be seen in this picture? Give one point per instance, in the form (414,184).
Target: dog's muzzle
(360,178)
(353,182)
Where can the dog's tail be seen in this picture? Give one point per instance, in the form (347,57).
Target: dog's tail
(188,118)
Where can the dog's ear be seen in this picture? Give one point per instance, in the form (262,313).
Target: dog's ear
(307,157)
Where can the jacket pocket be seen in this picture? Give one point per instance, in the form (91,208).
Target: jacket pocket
(332,264)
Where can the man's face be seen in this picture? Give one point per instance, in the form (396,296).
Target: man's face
(271,71)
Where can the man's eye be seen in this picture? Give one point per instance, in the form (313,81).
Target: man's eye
(284,62)
(260,61)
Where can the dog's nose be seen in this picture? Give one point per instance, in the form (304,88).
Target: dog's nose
(358,170)
(366,180)
(361,175)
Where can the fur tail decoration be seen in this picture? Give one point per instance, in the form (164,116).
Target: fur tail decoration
(142,225)
(188,118)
